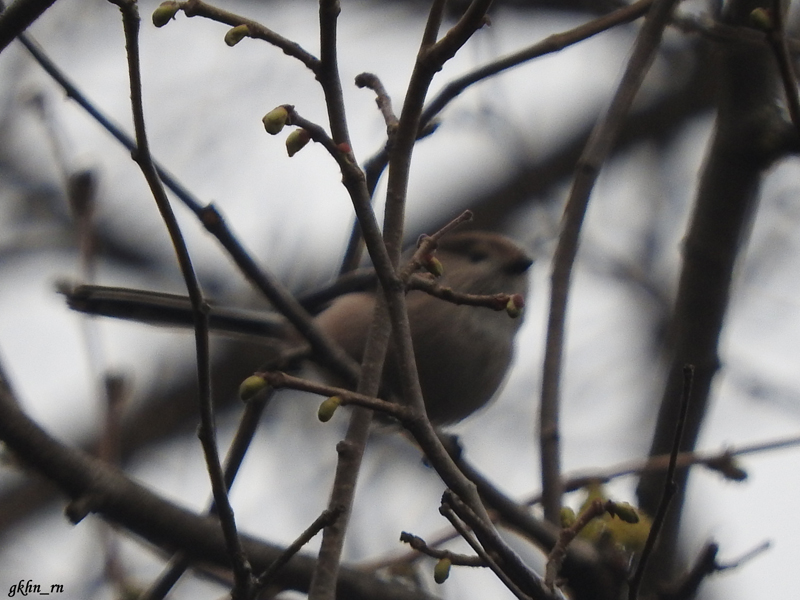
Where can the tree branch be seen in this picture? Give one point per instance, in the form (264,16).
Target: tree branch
(597,149)
(104,490)
(751,132)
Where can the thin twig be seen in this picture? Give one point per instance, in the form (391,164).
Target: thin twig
(245,433)
(351,449)
(687,587)
(448,512)
(429,285)
(207,432)
(279,379)
(746,557)
(110,494)
(418,544)
(427,245)
(670,487)
(15,19)
(328,72)
(326,519)
(508,561)
(514,514)
(197,8)
(382,99)
(429,61)
(550,44)
(285,303)
(553,43)
(597,149)
(355,245)
(341,152)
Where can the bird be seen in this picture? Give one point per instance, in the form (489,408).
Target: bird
(462,352)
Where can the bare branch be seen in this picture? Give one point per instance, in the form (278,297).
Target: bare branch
(597,149)
(198,8)
(418,544)
(106,491)
(15,19)
(207,430)
(670,485)
(447,511)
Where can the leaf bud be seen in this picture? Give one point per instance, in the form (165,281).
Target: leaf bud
(442,570)
(296,141)
(164,13)
(515,305)
(327,408)
(626,512)
(760,18)
(567,516)
(251,386)
(433,265)
(275,120)
(236,34)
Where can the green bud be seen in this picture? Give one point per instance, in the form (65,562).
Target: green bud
(164,13)
(236,35)
(761,19)
(275,119)
(515,305)
(442,570)
(296,141)
(434,266)
(567,516)
(626,512)
(327,408)
(251,386)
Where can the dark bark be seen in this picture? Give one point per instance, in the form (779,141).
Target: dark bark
(751,132)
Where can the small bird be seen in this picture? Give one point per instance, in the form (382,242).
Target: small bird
(462,352)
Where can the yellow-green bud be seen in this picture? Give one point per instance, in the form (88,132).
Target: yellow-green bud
(434,266)
(296,141)
(327,408)
(515,305)
(761,18)
(164,13)
(567,516)
(275,119)
(442,570)
(630,537)
(236,35)
(626,512)
(251,386)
